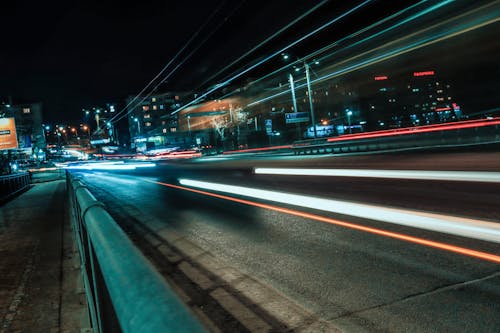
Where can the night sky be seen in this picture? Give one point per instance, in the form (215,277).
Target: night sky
(71,55)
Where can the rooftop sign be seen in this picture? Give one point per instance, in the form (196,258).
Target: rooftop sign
(424,73)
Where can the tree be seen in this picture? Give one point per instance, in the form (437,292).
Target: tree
(230,126)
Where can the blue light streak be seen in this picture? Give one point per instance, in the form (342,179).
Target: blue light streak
(475,24)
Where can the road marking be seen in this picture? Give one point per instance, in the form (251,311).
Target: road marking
(466,176)
(439,245)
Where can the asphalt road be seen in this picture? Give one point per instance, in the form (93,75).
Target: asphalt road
(360,281)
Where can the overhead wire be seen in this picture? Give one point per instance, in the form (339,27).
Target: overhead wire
(274,54)
(267,40)
(337,42)
(422,42)
(186,58)
(183,48)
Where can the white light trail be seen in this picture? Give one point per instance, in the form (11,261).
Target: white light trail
(465,227)
(464,176)
(109,166)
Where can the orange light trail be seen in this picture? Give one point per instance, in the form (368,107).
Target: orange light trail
(420,129)
(380,232)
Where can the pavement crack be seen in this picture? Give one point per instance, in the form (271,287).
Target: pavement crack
(436,290)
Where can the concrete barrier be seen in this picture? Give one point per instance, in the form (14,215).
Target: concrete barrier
(125,293)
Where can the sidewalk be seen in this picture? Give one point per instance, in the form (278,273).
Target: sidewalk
(40,281)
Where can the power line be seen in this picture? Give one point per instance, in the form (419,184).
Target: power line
(186,58)
(267,40)
(193,37)
(228,81)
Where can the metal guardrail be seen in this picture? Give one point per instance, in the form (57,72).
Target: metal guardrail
(124,291)
(394,140)
(10,185)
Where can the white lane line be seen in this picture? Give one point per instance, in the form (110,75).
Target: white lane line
(467,176)
(460,226)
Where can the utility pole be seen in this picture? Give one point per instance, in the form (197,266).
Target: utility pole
(313,120)
(292,89)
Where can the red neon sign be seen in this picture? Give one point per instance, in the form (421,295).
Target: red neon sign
(380,78)
(424,73)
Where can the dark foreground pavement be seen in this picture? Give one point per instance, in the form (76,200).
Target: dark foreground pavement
(40,281)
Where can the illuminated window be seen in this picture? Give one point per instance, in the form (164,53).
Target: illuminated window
(415,90)
(173,129)
(147,115)
(176,98)
(145,107)
(162,106)
(26,110)
(440,99)
(155,107)
(164,130)
(153,99)
(439,91)
(148,124)
(163,122)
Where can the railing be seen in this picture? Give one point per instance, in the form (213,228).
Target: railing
(11,185)
(465,133)
(124,291)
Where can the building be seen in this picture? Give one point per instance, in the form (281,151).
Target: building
(151,123)
(28,121)
(416,98)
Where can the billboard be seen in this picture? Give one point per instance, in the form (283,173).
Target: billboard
(8,136)
(297,117)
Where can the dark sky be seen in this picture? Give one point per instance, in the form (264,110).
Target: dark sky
(70,55)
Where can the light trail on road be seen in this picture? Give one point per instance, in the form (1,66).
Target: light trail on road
(465,176)
(454,225)
(416,240)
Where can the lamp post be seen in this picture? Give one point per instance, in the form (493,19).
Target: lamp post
(295,109)
(46,129)
(138,125)
(97,117)
(349,114)
(313,120)
(309,92)
(189,126)
(87,129)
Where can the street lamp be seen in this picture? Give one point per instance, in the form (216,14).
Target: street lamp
(189,125)
(349,114)
(87,129)
(46,129)
(309,91)
(138,125)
